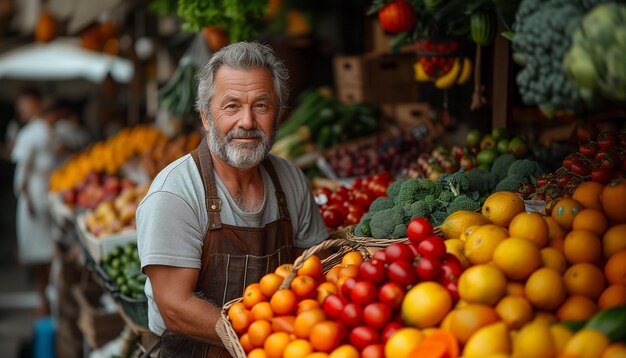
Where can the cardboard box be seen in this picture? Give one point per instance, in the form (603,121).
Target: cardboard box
(379,40)
(352,94)
(97,324)
(417,118)
(348,70)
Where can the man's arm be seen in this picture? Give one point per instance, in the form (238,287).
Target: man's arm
(183,312)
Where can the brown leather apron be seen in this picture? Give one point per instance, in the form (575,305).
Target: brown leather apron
(232,257)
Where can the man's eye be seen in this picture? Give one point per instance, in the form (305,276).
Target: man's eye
(231,106)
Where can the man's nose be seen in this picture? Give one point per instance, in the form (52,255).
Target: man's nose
(247,118)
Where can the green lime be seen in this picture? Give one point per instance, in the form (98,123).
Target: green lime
(125,290)
(116,263)
(116,252)
(503,146)
(129,249)
(499,133)
(121,281)
(473,138)
(487,156)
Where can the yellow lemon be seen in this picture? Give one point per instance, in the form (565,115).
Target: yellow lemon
(517,258)
(515,311)
(482,284)
(501,207)
(533,340)
(530,226)
(586,343)
(482,242)
(545,289)
(492,339)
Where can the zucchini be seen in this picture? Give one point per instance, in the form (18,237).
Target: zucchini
(610,321)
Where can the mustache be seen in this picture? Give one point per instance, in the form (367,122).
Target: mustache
(244,133)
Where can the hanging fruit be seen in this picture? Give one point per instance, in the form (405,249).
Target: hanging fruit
(46,27)
(397,16)
(482,27)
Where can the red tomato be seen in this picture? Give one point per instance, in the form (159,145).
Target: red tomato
(391,294)
(373,351)
(428,268)
(341,208)
(380,256)
(339,197)
(377,315)
(413,247)
(453,288)
(373,270)
(382,177)
(364,198)
(390,329)
(333,305)
(332,217)
(353,219)
(363,293)
(451,269)
(352,315)
(433,246)
(601,175)
(378,189)
(419,229)
(589,150)
(402,272)
(347,286)
(363,336)
(356,209)
(398,251)
(607,139)
(357,184)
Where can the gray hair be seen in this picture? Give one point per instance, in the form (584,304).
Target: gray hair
(242,56)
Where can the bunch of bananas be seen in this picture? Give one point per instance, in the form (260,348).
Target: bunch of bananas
(459,73)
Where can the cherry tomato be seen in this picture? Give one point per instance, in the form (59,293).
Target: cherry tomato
(356,209)
(419,229)
(333,305)
(402,272)
(390,329)
(589,150)
(347,286)
(373,351)
(363,336)
(363,293)
(339,197)
(428,268)
(607,139)
(601,175)
(352,219)
(391,294)
(453,288)
(357,184)
(352,315)
(332,217)
(364,198)
(398,251)
(380,256)
(413,247)
(432,246)
(451,269)
(373,270)
(377,315)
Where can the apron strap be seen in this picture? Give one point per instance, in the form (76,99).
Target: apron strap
(203,160)
(280,195)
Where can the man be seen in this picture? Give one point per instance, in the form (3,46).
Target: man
(219,219)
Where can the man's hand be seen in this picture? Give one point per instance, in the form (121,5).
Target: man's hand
(182,311)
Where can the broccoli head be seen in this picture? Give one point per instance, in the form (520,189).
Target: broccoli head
(446,197)
(381,203)
(418,209)
(462,202)
(457,183)
(511,183)
(525,168)
(482,181)
(394,188)
(363,227)
(384,222)
(414,190)
(398,232)
(500,166)
(430,201)
(437,218)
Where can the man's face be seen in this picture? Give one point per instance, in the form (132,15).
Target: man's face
(27,108)
(243,116)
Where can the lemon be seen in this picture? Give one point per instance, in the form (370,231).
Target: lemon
(456,247)
(482,242)
(515,311)
(501,207)
(560,336)
(457,222)
(517,258)
(482,284)
(533,340)
(544,289)
(491,339)
(586,343)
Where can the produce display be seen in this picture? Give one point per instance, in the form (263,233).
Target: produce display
(124,270)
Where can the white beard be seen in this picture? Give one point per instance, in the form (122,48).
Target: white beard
(242,156)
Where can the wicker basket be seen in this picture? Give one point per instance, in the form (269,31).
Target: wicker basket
(373,244)
(225,330)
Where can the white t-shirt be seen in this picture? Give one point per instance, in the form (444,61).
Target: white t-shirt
(172,219)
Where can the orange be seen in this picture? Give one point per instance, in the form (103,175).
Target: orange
(514,289)
(325,336)
(554,259)
(304,287)
(307,305)
(311,267)
(614,350)
(576,308)
(257,353)
(582,246)
(614,295)
(317,355)
(584,279)
(262,310)
(245,343)
(348,270)
(515,311)
(501,207)
(352,258)
(482,284)
(344,351)
(325,289)
(235,309)
(425,305)
(241,321)
(284,302)
(592,220)
(252,296)
(275,344)
(614,240)
(613,198)
(560,335)
(306,320)
(270,283)
(481,242)
(615,269)
(283,324)
(258,332)
(586,343)
(545,289)
(558,244)
(588,194)
(299,348)
(564,212)
(465,321)
(333,274)
(544,317)
(402,342)
(530,226)
(555,231)
(284,270)
(517,258)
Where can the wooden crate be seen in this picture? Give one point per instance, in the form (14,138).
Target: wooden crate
(97,324)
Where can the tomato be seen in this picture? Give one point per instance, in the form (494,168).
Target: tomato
(347,286)
(402,272)
(332,218)
(322,195)
(364,198)
(382,177)
(339,197)
(304,287)
(580,168)
(543,179)
(353,219)
(589,150)
(607,139)
(333,305)
(378,189)
(363,336)
(433,246)
(398,251)
(356,209)
(373,351)
(390,329)
(391,294)
(357,184)
(453,288)
(352,315)
(601,175)
(380,256)
(326,336)
(413,247)
(451,268)
(397,16)
(419,229)
(610,161)
(342,208)
(565,178)
(377,315)
(363,293)
(428,268)
(373,270)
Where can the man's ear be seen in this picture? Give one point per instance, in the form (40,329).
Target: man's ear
(205,121)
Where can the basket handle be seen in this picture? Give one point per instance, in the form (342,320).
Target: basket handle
(324,245)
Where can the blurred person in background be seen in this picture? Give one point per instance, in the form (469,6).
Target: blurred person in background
(70,134)
(27,106)
(34,157)
(224,216)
